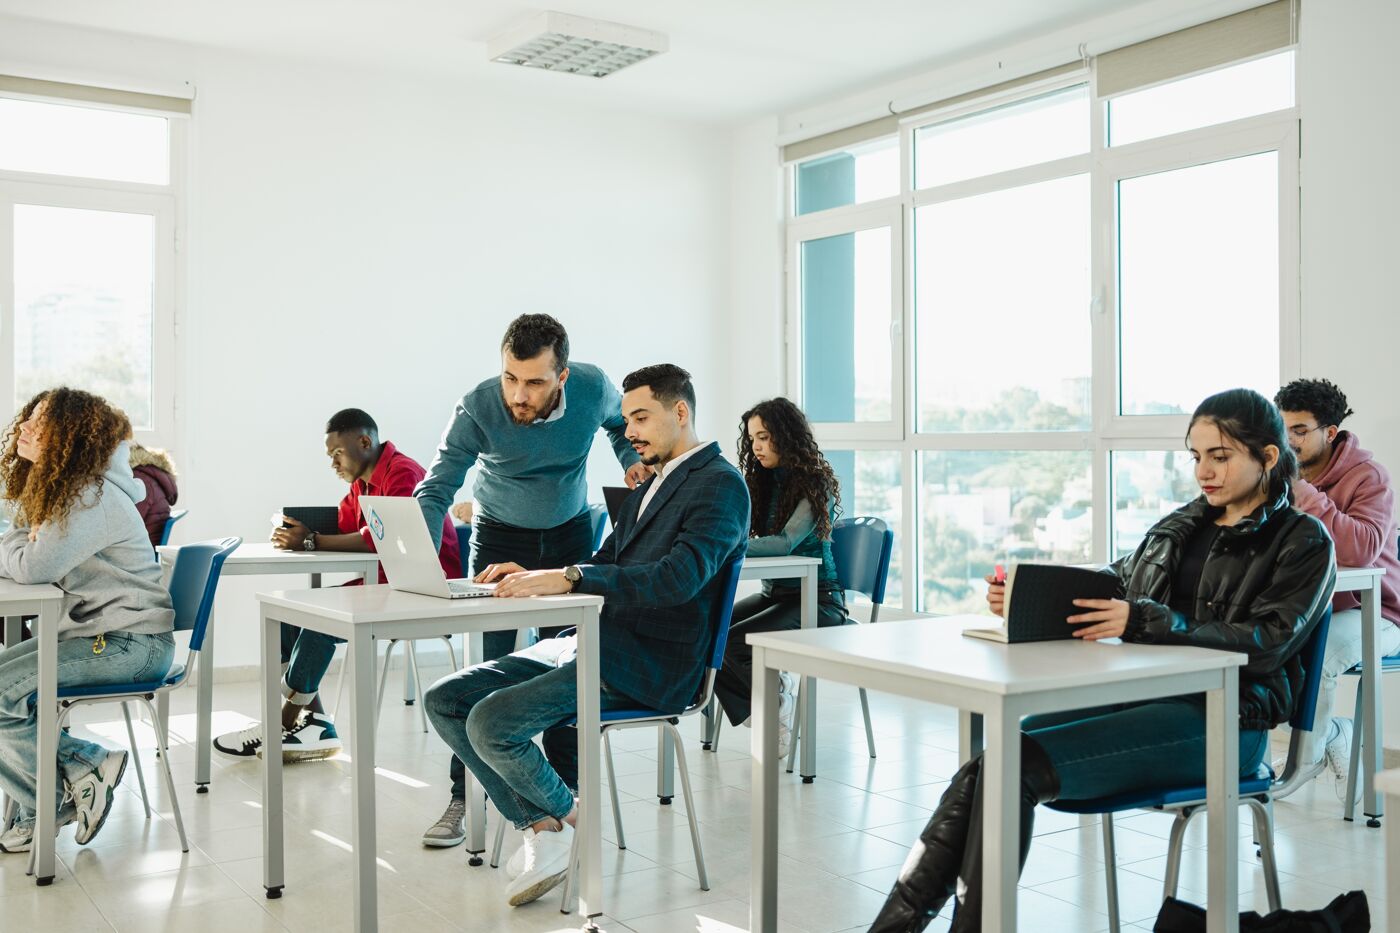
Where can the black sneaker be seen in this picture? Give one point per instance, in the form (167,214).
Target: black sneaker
(311,739)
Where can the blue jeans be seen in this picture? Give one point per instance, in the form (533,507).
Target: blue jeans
(1141,746)
(126,659)
(306,656)
(488,714)
(533,549)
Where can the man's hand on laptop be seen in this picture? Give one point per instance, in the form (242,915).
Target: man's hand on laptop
(494,572)
(533,583)
(291,538)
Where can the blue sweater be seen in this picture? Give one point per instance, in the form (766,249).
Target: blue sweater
(532,475)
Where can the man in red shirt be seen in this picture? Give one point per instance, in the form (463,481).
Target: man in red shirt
(372,468)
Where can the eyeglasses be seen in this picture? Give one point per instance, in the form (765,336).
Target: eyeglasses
(1299,432)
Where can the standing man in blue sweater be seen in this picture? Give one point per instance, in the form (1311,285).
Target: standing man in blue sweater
(531,434)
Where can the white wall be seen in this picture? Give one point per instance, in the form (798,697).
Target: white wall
(1350,202)
(362,238)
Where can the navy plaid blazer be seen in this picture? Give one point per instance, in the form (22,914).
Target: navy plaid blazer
(659,579)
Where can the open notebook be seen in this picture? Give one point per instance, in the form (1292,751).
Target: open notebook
(1039,597)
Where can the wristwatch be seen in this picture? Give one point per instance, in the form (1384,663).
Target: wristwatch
(573,575)
(309,542)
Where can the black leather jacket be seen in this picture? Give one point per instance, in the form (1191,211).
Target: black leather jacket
(1265,586)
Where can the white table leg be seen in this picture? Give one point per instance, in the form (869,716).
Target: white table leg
(47,771)
(763,812)
(204,707)
(1222,804)
(1392,874)
(1371,747)
(473,647)
(590,867)
(14,630)
(362,702)
(1001,816)
(808,736)
(665,767)
(271,667)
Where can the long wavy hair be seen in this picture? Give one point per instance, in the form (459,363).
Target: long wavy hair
(810,477)
(79,431)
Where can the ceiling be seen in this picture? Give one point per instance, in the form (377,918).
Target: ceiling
(728,59)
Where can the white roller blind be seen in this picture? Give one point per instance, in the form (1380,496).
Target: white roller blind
(1199,48)
(885,126)
(33,87)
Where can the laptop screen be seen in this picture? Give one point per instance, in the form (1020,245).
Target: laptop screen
(614,496)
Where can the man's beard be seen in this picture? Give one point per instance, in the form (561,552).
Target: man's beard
(534,413)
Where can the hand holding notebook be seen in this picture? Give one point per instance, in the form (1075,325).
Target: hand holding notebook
(1040,599)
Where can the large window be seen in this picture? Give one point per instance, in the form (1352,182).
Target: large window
(88,197)
(1001,352)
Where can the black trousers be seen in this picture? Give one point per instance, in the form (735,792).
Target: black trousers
(533,549)
(759,613)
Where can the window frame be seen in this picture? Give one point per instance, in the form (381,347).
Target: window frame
(163,202)
(1109,431)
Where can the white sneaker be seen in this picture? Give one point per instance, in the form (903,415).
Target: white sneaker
(312,738)
(20,836)
(787,707)
(1338,755)
(546,862)
(92,795)
(244,743)
(516,864)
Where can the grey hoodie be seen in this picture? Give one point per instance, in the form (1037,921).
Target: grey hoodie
(100,557)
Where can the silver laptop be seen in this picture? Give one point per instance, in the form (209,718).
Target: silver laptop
(406,550)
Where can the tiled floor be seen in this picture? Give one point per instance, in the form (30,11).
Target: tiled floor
(842,841)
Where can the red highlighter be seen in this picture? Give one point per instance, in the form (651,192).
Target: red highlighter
(1000,574)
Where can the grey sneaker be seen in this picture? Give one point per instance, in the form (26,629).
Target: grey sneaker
(450,829)
(92,794)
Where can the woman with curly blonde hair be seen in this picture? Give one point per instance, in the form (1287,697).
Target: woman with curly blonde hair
(794,497)
(66,477)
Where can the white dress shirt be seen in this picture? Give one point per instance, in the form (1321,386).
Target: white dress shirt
(662,472)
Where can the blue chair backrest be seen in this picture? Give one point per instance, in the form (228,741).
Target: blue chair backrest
(1313,653)
(174,517)
(724,609)
(464,542)
(193,581)
(862,548)
(599,515)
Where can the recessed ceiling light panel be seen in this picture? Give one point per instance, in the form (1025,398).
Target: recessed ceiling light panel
(575,45)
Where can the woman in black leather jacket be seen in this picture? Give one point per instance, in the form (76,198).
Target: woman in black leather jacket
(1237,569)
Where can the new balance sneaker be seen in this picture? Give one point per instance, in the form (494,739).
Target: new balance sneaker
(92,795)
(311,739)
(450,829)
(20,835)
(244,743)
(545,863)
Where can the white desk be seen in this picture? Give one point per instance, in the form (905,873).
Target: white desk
(1367,581)
(46,602)
(259,559)
(931,660)
(1388,782)
(362,614)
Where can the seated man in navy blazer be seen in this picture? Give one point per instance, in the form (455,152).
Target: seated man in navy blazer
(658,572)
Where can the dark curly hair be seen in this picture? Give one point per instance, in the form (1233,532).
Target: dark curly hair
(80,432)
(1321,398)
(810,477)
(531,334)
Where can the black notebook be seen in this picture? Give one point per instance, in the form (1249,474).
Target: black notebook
(1039,597)
(322,519)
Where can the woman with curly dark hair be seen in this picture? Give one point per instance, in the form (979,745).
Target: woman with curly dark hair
(67,481)
(794,498)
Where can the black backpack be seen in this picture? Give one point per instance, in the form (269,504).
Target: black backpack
(1347,914)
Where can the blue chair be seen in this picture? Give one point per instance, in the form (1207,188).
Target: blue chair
(615,719)
(862,548)
(599,515)
(193,582)
(175,516)
(1256,791)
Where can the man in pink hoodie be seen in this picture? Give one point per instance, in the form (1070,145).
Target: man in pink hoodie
(1342,485)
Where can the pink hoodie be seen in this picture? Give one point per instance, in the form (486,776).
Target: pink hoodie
(1354,500)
